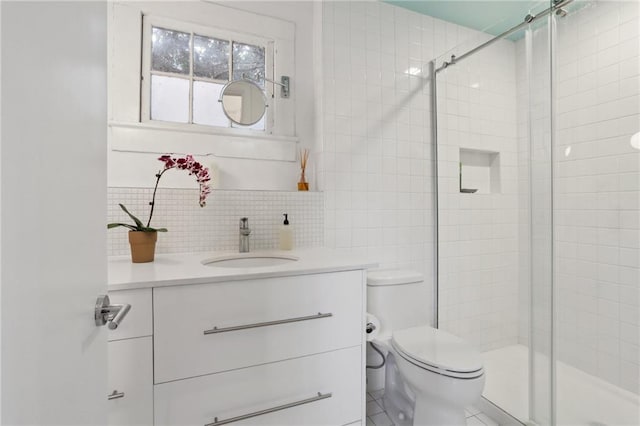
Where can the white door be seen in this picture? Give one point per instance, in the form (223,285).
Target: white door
(53,212)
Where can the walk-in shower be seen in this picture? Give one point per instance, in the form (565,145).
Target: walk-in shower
(527,151)
(538,209)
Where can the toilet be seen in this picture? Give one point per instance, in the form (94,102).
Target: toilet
(431,375)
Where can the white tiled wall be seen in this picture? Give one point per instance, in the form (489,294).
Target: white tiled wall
(597,185)
(215,227)
(377,159)
(478,231)
(376,167)
(377,151)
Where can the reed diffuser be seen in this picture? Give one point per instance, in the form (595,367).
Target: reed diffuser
(303,185)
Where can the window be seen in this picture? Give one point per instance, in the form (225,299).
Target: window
(186,66)
(213,29)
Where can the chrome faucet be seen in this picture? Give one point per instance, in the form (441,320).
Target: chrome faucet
(244,235)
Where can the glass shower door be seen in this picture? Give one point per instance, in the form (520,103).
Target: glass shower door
(538,142)
(494,134)
(537,200)
(597,213)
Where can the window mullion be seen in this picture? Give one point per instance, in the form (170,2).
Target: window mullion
(169,74)
(230,60)
(192,51)
(209,80)
(230,124)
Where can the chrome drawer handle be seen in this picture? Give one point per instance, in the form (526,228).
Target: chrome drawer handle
(115,395)
(215,330)
(320,396)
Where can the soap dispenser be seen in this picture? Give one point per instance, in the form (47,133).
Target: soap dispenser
(286,234)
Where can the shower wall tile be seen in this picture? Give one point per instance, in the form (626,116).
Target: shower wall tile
(377,158)
(377,171)
(479,231)
(215,227)
(596,185)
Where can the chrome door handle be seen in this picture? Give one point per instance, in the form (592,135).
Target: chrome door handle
(115,395)
(319,315)
(319,397)
(105,312)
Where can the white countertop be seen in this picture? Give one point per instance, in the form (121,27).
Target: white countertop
(187,268)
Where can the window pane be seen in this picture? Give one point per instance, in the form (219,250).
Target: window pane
(249,60)
(206,108)
(170,51)
(210,58)
(169,99)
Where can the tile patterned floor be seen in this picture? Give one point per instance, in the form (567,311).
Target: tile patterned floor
(376,415)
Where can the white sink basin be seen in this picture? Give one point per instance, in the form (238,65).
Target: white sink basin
(249,260)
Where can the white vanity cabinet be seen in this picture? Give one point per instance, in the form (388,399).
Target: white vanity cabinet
(293,342)
(203,329)
(273,350)
(322,389)
(130,348)
(130,382)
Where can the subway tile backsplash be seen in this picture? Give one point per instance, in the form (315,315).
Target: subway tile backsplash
(215,227)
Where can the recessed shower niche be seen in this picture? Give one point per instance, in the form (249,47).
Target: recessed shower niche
(479,171)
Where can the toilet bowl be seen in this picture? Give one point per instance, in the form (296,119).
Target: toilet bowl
(444,373)
(432,375)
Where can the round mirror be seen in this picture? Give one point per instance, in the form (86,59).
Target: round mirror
(243,102)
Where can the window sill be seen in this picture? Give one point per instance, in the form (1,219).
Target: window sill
(161,138)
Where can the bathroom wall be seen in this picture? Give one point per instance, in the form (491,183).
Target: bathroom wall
(596,186)
(192,228)
(377,160)
(478,231)
(376,165)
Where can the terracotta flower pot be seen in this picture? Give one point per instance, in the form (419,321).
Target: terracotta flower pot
(143,246)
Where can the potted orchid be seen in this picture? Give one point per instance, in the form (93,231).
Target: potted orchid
(142,238)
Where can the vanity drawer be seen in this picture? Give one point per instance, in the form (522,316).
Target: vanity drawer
(200,400)
(131,378)
(138,321)
(183,314)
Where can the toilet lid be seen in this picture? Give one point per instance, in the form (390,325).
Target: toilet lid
(437,349)
(385,277)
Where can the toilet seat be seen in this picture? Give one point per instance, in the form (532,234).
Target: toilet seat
(438,351)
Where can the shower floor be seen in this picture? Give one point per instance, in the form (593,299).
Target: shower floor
(582,399)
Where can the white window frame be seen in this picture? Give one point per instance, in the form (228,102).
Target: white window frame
(171,24)
(129,133)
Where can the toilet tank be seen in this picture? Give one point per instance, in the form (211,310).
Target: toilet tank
(398,298)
